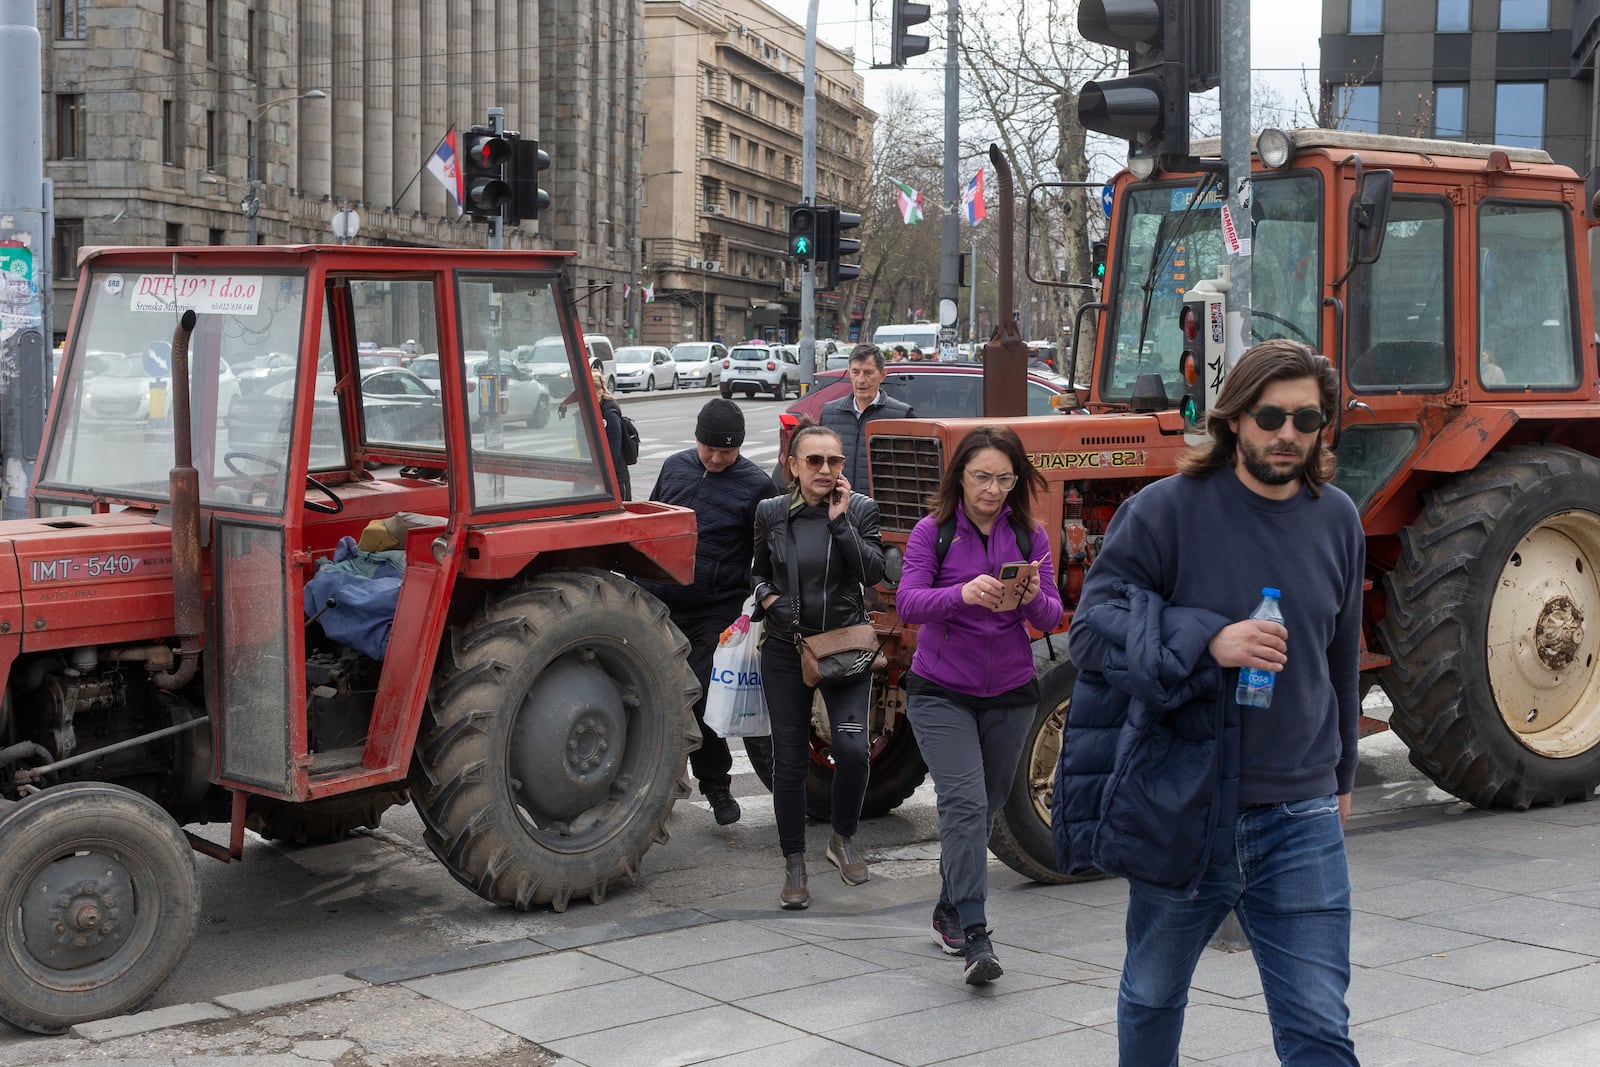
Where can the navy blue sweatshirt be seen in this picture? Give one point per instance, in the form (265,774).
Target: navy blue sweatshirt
(1213,543)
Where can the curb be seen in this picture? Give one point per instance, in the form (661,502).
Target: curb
(634,397)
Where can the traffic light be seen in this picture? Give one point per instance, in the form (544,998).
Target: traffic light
(527,199)
(1201,355)
(483,180)
(1097,260)
(1174,48)
(903,45)
(803,232)
(840,246)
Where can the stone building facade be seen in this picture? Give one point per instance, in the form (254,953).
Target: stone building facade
(158,112)
(723,100)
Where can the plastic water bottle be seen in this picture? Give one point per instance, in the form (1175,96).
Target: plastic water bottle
(1255,684)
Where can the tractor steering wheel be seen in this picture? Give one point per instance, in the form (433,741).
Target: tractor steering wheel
(1257,313)
(228,459)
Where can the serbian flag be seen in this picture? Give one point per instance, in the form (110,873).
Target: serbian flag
(910,202)
(445,165)
(972,199)
(649,292)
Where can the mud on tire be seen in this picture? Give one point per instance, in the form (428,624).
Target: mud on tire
(1493,629)
(554,741)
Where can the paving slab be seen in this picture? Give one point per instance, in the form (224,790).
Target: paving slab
(502,982)
(583,1011)
(596,933)
(801,1052)
(846,1002)
(697,944)
(1479,1024)
(145,1021)
(1493,964)
(957,1029)
(276,996)
(767,972)
(1579,989)
(1406,900)
(1079,1046)
(683,1039)
(456,960)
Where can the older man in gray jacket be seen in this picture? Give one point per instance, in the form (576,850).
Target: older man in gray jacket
(849,415)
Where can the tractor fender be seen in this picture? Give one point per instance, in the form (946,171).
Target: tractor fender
(1462,443)
(646,539)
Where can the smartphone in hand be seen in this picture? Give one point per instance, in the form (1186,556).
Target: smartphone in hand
(1013,575)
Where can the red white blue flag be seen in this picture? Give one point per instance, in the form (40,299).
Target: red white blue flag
(445,164)
(972,199)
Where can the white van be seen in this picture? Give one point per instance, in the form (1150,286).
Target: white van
(925,335)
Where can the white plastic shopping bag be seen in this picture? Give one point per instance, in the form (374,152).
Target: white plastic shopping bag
(734,704)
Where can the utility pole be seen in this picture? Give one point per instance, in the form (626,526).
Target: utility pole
(26,226)
(1234,99)
(950,228)
(808,195)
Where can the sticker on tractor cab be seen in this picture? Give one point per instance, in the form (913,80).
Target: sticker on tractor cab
(110,565)
(1055,461)
(208,294)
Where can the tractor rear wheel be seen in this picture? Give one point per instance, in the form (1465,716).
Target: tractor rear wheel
(1021,837)
(896,763)
(319,822)
(555,737)
(1493,629)
(98,903)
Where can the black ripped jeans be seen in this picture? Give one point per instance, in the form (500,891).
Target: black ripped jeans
(789,706)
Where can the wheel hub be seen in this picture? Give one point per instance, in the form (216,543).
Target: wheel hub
(72,914)
(569,738)
(1559,632)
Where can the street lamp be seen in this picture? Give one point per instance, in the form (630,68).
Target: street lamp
(251,204)
(634,303)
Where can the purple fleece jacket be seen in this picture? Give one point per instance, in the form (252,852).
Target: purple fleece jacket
(967,647)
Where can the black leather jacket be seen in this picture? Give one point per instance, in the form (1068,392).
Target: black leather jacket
(854,545)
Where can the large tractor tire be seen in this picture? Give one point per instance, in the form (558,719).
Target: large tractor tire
(897,767)
(1021,837)
(553,745)
(1493,630)
(98,903)
(320,822)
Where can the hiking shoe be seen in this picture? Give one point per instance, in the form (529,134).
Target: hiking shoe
(723,806)
(982,964)
(843,855)
(947,932)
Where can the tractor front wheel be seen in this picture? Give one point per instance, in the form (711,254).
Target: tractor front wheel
(1493,631)
(98,902)
(553,745)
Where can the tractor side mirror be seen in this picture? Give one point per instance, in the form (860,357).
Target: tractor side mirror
(1369,215)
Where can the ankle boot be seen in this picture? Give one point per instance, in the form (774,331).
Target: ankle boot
(795,895)
(843,855)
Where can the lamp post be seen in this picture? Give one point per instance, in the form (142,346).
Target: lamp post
(634,302)
(251,204)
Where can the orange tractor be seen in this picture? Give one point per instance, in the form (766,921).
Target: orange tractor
(275,581)
(1451,286)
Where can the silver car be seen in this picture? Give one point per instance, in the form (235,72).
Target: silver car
(699,362)
(756,367)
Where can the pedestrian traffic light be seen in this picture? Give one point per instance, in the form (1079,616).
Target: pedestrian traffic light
(840,246)
(527,199)
(1097,260)
(903,45)
(803,232)
(1201,354)
(1174,48)
(483,180)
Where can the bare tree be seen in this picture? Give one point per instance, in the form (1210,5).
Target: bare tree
(900,262)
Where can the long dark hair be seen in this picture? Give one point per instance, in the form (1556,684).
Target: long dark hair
(1003,439)
(1277,360)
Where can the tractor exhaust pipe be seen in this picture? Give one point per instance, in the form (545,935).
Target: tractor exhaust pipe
(1005,357)
(188,607)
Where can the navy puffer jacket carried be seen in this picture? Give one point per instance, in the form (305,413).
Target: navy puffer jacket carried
(1147,785)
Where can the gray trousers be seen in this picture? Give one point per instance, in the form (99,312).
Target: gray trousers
(973,758)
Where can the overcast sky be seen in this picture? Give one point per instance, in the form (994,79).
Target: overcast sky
(1283,38)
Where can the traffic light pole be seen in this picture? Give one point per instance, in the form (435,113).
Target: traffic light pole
(950,221)
(1234,99)
(497,124)
(808,195)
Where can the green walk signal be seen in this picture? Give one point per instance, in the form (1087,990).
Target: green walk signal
(802,246)
(802,232)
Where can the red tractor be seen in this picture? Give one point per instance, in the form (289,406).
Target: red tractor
(275,583)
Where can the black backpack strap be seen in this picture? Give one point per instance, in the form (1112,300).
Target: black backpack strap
(941,547)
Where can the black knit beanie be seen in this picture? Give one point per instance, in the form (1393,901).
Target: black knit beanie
(721,424)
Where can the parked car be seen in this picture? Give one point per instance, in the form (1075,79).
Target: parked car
(646,367)
(602,357)
(527,400)
(699,362)
(396,405)
(124,391)
(755,367)
(260,372)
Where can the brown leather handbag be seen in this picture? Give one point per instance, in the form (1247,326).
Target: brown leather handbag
(837,655)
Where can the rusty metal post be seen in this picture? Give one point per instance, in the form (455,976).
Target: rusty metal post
(188,605)
(1005,357)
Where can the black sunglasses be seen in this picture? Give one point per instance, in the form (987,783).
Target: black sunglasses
(1306,420)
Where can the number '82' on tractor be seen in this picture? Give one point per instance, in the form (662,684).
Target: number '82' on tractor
(276,581)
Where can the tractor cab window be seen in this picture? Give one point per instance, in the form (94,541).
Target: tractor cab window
(394,320)
(1172,238)
(522,361)
(1400,315)
(1527,323)
(113,431)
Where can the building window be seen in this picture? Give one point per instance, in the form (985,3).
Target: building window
(1450,112)
(735,142)
(211,29)
(733,201)
(70,21)
(1366,16)
(211,140)
(1454,16)
(250,42)
(64,248)
(705,81)
(1519,114)
(216,237)
(168,19)
(174,233)
(769,214)
(169,139)
(1524,14)
(70,114)
(1358,108)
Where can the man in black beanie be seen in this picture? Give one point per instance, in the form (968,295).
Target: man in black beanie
(723,488)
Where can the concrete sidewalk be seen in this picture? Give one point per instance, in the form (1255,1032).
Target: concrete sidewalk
(1476,941)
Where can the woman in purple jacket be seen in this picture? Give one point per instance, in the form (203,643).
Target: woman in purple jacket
(971,693)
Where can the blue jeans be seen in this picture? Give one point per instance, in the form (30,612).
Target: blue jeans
(1290,886)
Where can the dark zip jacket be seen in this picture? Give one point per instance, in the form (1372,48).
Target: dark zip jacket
(837,557)
(840,417)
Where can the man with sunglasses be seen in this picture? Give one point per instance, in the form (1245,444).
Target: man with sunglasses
(848,416)
(1250,819)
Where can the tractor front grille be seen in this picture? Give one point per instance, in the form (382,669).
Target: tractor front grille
(905,475)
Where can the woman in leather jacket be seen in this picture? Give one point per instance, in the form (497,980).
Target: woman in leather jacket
(832,533)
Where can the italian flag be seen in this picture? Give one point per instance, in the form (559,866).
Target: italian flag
(910,202)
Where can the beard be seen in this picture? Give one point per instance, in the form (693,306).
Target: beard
(1255,461)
